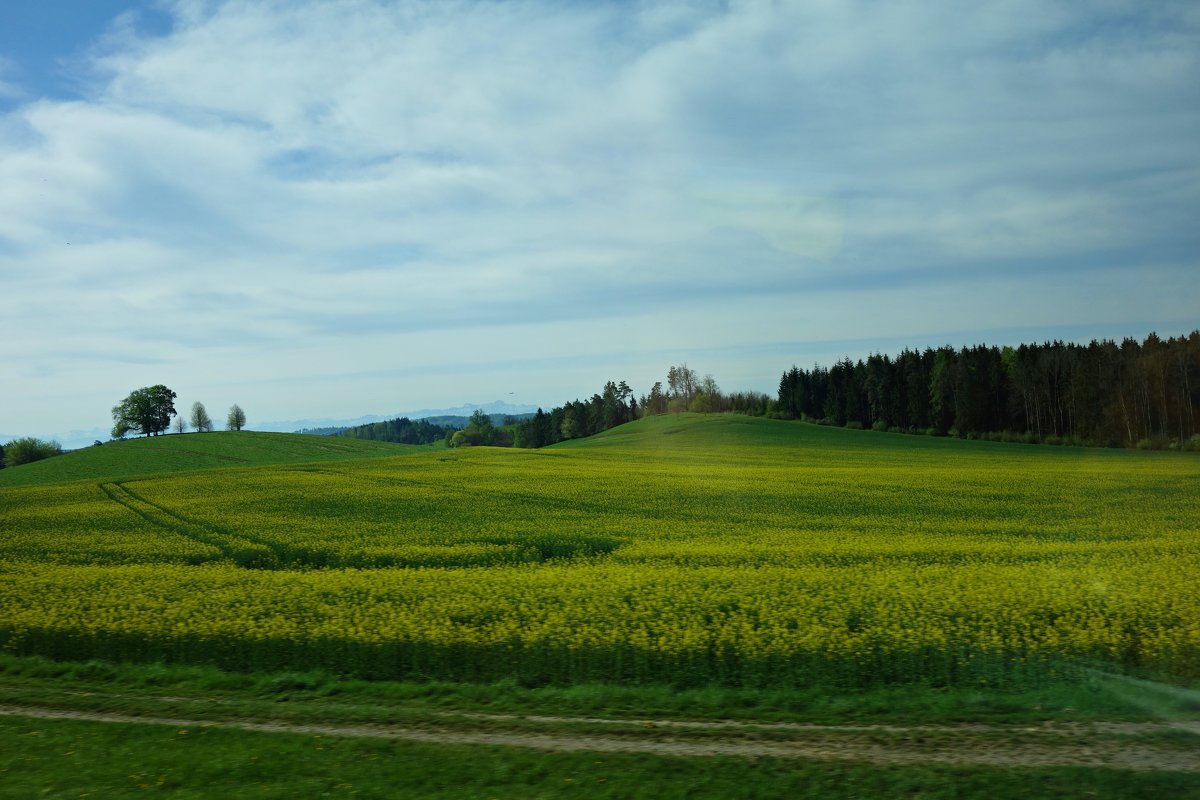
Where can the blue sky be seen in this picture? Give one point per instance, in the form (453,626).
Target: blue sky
(340,208)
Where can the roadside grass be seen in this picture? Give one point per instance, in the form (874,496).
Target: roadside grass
(159,455)
(68,758)
(150,689)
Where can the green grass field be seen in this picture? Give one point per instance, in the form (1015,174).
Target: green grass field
(193,451)
(763,569)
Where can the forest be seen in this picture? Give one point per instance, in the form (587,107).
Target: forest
(402,430)
(1103,394)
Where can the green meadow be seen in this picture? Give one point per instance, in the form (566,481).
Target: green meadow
(189,452)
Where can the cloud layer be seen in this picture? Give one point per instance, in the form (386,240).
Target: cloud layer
(349,207)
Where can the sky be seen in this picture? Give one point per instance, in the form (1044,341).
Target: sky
(348,207)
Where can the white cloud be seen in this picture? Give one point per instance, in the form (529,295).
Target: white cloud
(388,179)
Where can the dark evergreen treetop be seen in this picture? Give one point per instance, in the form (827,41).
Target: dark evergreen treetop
(1102,393)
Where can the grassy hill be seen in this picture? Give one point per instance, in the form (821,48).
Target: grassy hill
(719,437)
(157,455)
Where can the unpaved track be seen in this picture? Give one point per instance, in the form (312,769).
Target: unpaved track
(1087,745)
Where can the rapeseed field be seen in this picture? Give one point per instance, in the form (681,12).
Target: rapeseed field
(685,549)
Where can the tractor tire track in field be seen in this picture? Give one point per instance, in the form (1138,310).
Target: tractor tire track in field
(1106,745)
(241,550)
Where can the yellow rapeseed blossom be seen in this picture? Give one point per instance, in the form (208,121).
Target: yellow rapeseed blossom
(712,561)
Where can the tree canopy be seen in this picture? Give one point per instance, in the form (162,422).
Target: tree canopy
(236,419)
(479,431)
(200,419)
(147,411)
(27,450)
(1126,394)
(402,430)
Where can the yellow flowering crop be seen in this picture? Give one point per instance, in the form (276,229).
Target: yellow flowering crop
(737,551)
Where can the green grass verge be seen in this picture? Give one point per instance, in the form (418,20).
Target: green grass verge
(64,758)
(319,696)
(158,455)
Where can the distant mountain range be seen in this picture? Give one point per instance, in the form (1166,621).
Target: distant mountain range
(73,440)
(497,407)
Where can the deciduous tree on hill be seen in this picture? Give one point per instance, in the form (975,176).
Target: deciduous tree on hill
(682,382)
(147,411)
(236,419)
(200,419)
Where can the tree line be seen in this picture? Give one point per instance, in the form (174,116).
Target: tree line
(402,430)
(1133,394)
(616,404)
(1130,394)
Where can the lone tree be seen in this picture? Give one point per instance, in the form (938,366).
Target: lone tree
(236,419)
(147,411)
(200,419)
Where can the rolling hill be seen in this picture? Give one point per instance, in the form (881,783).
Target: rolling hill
(157,455)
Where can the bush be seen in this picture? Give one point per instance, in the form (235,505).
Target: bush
(1192,444)
(880,425)
(1153,443)
(854,425)
(28,449)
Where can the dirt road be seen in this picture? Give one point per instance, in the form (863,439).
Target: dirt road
(1133,746)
